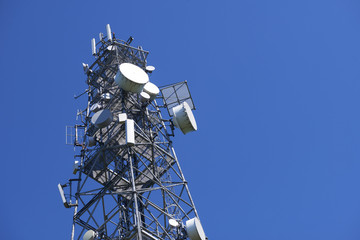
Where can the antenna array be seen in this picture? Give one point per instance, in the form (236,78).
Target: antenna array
(129,183)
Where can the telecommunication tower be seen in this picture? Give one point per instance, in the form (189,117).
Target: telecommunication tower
(129,184)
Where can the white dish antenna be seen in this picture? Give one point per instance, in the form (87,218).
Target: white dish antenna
(144,97)
(195,230)
(184,118)
(150,69)
(173,223)
(152,90)
(102,118)
(131,78)
(89,235)
(108,32)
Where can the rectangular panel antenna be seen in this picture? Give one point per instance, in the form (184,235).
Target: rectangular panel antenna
(93,46)
(108,31)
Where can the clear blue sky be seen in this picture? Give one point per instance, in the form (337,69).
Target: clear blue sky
(277,90)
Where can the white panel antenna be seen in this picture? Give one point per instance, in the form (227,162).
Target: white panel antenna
(130,131)
(108,32)
(93,46)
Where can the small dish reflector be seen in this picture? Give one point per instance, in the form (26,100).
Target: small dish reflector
(144,97)
(102,118)
(174,223)
(89,235)
(184,118)
(150,69)
(131,78)
(152,90)
(195,230)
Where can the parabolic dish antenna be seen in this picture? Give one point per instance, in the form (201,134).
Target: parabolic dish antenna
(184,118)
(174,223)
(152,90)
(89,235)
(144,97)
(102,118)
(131,78)
(195,230)
(150,69)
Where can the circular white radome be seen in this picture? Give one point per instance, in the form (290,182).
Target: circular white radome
(131,78)
(150,68)
(151,89)
(89,235)
(195,230)
(144,97)
(174,223)
(184,118)
(102,118)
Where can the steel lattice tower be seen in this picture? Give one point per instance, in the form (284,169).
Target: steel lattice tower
(128,184)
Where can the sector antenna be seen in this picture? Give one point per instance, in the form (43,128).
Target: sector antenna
(128,183)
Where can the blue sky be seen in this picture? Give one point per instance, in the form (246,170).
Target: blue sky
(276,86)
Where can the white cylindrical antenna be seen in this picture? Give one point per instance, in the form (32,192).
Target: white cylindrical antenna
(101,36)
(61,191)
(93,46)
(130,131)
(108,31)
